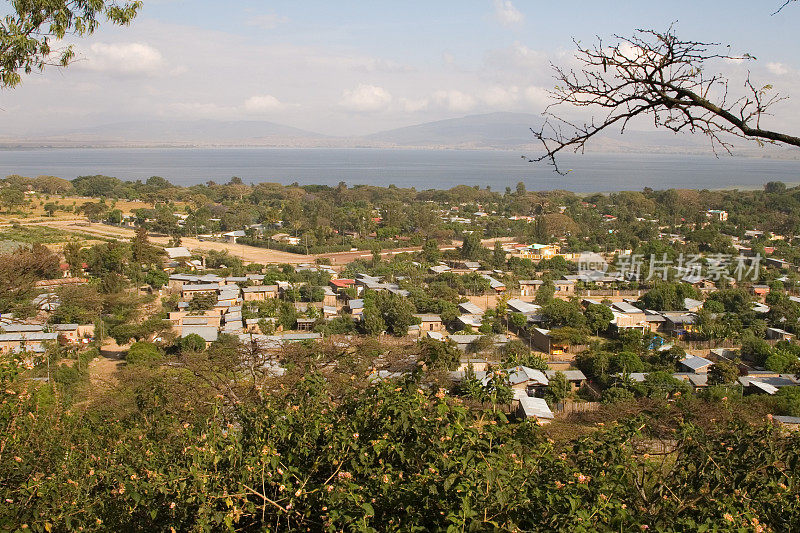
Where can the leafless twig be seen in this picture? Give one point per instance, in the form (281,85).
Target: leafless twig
(661,76)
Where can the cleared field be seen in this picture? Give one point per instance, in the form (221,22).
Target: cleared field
(249,254)
(34,211)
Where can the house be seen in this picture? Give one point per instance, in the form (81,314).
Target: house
(23,328)
(342,284)
(179,252)
(537,252)
(356,307)
(692,305)
(697,365)
(228,296)
(763,309)
(516,305)
(528,287)
(655,320)
(259,293)
(207,333)
(430,322)
(463,342)
(523,378)
(329,298)
(532,408)
(468,265)
(439,269)
(305,324)
(25,341)
(497,286)
(788,422)
(717,215)
(543,342)
(470,321)
(679,324)
(779,334)
(759,291)
(565,288)
(626,316)
(177,281)
(285,238)
(75,333)
(763,384)
(575,378)
(189,291)
(697,381)
(231,236)
(470,308)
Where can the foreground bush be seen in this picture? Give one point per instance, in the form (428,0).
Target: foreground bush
(393,457)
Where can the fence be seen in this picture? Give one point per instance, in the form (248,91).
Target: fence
(566,408)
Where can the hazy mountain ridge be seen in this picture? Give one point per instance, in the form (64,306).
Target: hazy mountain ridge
(494,131)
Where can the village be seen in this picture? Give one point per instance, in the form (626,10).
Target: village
(550,327)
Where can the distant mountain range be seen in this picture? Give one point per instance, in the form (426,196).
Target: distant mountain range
(494,131)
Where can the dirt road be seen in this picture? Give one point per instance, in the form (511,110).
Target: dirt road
(249,254)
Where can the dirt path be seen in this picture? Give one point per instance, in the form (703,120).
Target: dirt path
(103,368)
(250,254)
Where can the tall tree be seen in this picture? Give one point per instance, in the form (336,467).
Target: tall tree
(29,30)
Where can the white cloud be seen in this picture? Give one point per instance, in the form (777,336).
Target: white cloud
(779,69)
(501,96)
(538,95)
(262,104)
(123,58)
(507,14)
(454,100)
(411,105)
(270,21)
(366,99)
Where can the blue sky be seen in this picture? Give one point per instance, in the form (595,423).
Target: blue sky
(358,67)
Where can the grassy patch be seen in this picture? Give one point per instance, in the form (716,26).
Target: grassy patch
(12,237)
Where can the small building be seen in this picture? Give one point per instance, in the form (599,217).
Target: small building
(575,378)
(697,365)
(207,333)
(430,322)
(342,284)
(231,236)
(439,269)
(305,324)
(717,214)
(543,342)
(494,284)
(564,288)
(528,287)
(532,408)
(259,293)
(179,252)
(516,305)
(470,308)
(189,291)
(356,307)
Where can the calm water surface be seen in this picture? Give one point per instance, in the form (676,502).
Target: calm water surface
(423,169)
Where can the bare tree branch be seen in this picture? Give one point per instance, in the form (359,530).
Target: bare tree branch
(786,3)
(657,75)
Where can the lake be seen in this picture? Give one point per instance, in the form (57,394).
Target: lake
(423,169)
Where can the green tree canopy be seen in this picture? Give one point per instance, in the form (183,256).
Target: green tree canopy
(30,29)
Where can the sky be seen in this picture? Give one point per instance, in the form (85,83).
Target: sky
(355,67)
